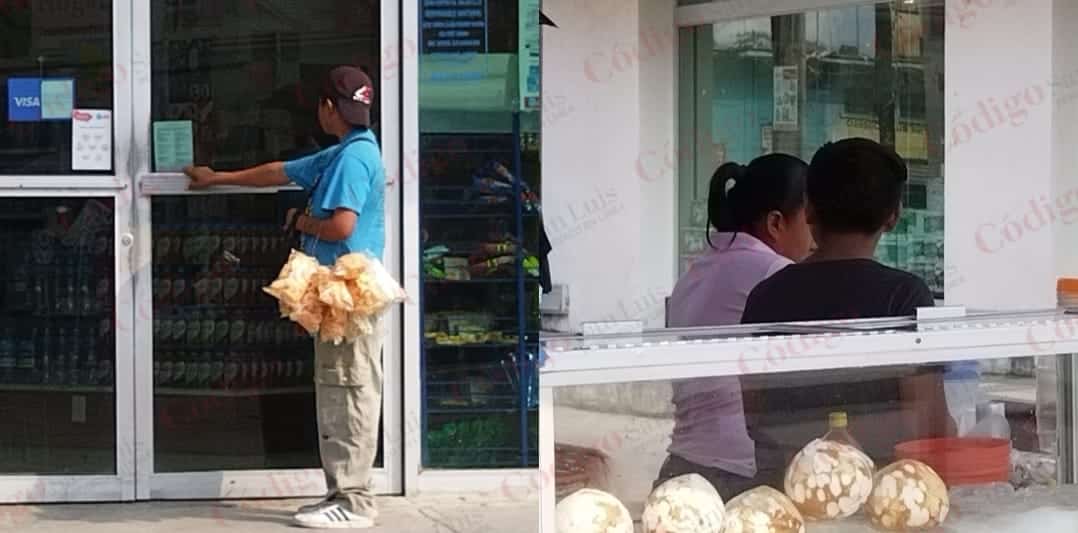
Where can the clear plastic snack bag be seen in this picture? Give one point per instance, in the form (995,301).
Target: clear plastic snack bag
(339,304)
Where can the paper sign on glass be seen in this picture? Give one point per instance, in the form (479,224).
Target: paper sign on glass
(786,98)
(91,139)
(57,99)
(173,145)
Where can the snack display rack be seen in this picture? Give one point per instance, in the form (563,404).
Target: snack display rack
(592,366)
(480,292)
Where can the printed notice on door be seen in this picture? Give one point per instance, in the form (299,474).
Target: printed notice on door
(454,26)
(173,146)
(786,99)
(91,139)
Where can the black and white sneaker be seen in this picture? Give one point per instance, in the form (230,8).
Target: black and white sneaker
(332,517)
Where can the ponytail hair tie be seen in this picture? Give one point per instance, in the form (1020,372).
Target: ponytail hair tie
(729,185)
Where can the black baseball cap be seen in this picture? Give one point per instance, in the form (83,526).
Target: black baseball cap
(352,92)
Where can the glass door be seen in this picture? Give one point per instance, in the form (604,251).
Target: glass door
(228,407)
(66,306)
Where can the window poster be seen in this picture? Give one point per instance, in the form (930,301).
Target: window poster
(529,58)
(454,26)
(786,98)
(91,139)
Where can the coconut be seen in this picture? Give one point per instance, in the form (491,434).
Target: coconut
(684,504)
(763,510)
(908,495)
(592,511)
(829,480)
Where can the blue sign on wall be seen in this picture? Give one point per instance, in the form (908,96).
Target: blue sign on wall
(24,99)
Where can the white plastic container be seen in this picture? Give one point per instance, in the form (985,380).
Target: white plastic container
(993,424)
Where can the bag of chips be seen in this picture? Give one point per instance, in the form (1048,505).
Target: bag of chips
(339,304)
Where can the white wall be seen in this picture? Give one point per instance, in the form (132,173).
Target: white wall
(609,153)
(609,176)
(999,72)
(1065,116)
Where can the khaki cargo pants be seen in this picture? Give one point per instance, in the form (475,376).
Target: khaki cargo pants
(348,392)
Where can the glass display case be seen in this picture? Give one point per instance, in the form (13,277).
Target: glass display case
(749,406)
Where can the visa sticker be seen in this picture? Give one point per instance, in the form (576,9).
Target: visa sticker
(24,99)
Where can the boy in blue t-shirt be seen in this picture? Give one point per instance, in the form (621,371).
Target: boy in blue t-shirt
(345,214)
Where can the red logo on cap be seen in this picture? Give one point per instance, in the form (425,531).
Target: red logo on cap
(363,95)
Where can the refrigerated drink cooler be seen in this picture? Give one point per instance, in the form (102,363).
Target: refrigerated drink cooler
(607,417)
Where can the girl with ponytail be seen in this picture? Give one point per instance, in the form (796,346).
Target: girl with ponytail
(756,227)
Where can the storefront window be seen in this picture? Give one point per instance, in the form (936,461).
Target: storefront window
(791,83)
(479,179)
(235,84)
(58,326)
(56,75)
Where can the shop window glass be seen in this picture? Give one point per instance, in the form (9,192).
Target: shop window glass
(237,82)
(58,328)
(874,71)
(55,58)
(479,179)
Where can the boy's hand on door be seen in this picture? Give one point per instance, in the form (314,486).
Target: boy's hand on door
(201,177)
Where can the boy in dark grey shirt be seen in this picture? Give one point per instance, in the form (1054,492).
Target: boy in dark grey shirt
(855,189)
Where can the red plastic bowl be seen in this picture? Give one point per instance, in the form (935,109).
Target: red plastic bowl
(962,461)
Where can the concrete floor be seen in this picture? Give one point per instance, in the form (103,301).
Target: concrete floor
(428,514)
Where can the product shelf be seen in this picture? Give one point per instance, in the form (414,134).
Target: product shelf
(233,393)
(477,395)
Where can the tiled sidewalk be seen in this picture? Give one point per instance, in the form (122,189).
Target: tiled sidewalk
(428,514)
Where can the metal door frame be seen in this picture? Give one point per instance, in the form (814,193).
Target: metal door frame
(119,486)
(253,483)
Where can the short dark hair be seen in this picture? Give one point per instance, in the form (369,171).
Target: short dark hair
(855,185)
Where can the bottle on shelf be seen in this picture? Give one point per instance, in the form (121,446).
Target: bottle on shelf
(993,424)
(7,354)
(74,368)
(87,302)
(89,362)
(40,292)
(24,358)
(59,375)
(167,367)
(70,293)
(217,373)
(21,295)
(45,373)
(838,430)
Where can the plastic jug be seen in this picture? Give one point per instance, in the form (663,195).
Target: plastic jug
(993,424)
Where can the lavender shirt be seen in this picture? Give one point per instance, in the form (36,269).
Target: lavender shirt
(709,418)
